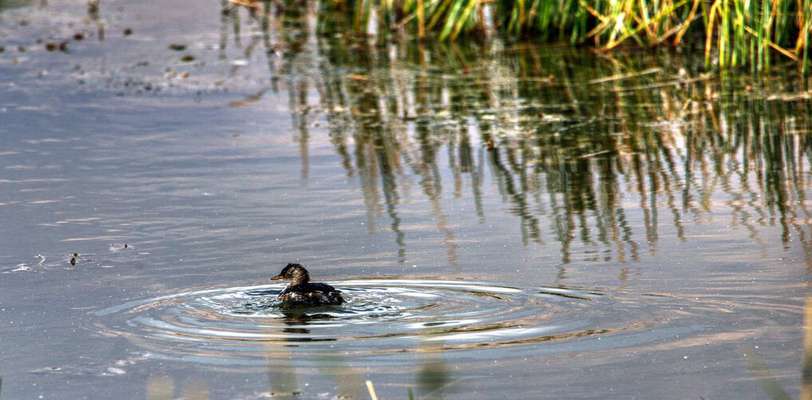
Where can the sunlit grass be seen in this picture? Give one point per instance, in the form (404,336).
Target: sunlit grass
(734,33)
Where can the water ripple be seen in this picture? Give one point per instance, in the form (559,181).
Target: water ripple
(238,326)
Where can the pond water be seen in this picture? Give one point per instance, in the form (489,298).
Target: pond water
(505,220)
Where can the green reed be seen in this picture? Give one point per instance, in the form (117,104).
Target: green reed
(735,33)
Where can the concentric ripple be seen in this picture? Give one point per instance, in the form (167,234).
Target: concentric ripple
(244,326)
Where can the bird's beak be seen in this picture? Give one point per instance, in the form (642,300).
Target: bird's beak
(277,278)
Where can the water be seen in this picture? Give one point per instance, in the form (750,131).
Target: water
(505,220)
(380,317)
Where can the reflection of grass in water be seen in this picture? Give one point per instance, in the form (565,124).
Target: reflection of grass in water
(657,131)
(563,141)
(9,4)
(758,368)
(433,378)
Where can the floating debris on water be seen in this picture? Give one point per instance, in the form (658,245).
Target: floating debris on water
(128,32)
(20,268)
(46,370)
(115,371)
(53,46)
(177,47)
(187,58)
(91,369)
(74,259)
(78,36)
(119,247)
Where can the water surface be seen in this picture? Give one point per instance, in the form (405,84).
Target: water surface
(506,220)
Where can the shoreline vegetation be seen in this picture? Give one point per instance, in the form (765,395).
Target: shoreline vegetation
(732,33)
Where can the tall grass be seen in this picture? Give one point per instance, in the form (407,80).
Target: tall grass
(735,33)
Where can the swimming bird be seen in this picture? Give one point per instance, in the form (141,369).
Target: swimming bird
(301,292)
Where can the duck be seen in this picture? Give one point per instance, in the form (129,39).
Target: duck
(301,292)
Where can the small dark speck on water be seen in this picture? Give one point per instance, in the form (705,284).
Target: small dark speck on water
(78,36)
(2,49)
(21,49)
(51,46)
(74,258)
(187,58)
(177,47)
(128,32)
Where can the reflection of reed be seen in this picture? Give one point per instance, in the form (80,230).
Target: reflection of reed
(677,148)
(282,373)
(93,7)
(434,376)
(566,151)
(163,388)
(806,370)
(160,388)
(382,146)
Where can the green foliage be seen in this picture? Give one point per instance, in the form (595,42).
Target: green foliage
(735,33)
